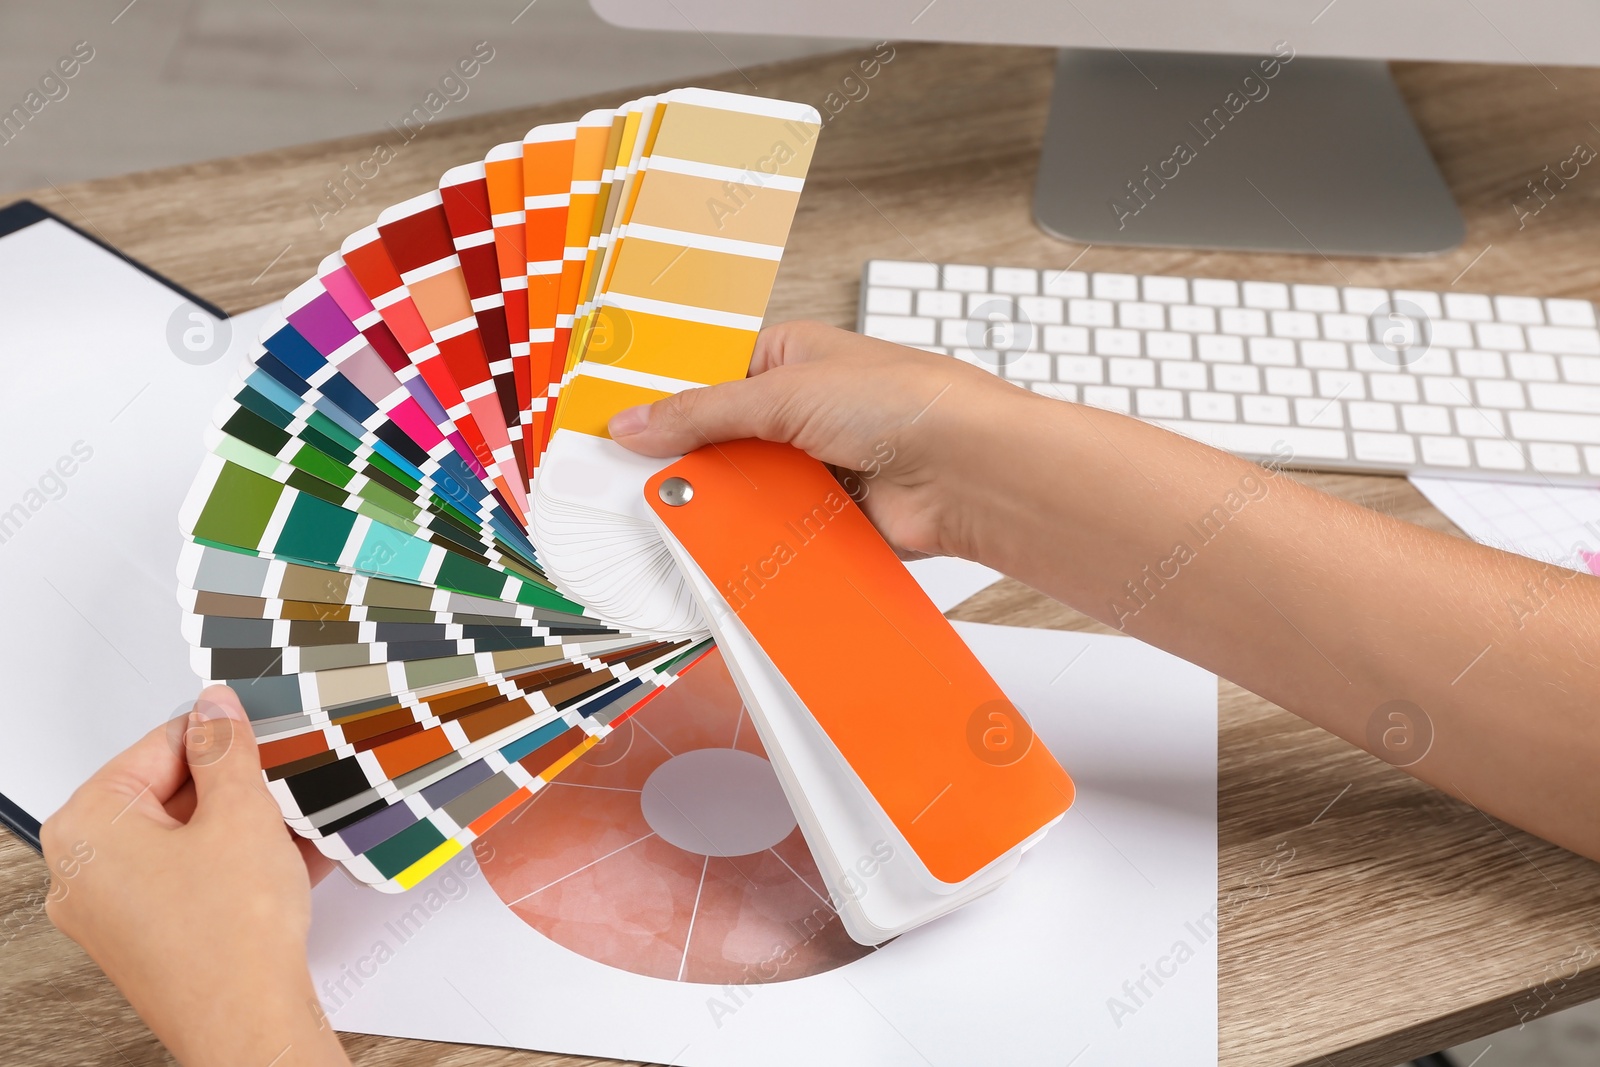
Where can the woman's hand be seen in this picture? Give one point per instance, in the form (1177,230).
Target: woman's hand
(174,871)
(893,421)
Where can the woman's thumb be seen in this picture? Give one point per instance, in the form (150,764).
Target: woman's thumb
(749,407)
(219,744)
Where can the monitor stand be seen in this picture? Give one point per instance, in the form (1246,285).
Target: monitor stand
(1208,151)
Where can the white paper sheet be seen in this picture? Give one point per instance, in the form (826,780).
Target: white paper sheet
(1100,951)
(93,658)
(948,580)
(1557,524)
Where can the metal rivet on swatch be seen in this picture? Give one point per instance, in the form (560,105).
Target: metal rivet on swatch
(675,492)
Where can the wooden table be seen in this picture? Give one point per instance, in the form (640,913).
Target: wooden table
(1365,917)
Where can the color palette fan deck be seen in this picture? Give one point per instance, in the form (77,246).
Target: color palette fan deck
(436,583)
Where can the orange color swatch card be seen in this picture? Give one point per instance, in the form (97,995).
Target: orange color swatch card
(906,739)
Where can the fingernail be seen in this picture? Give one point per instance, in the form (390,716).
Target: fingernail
(629,421)
(209,737)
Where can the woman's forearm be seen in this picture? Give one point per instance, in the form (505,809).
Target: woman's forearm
(1470,666)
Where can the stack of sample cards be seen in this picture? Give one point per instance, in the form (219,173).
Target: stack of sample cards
(413,550)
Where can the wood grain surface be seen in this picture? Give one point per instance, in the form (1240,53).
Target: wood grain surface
(1365,918)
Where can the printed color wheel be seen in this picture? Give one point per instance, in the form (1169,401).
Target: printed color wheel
(669,850)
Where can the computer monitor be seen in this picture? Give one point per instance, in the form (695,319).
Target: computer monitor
(1267,125)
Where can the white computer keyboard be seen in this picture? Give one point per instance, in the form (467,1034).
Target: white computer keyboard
(1321,376)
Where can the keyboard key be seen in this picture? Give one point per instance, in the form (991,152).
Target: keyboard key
(1447,391)
(1272,409)
(1554,459)
(1447,333)
(1169,345)
(1499,455)
(1426,418)
(902,330)
(1302,442)
(1131,371)
(1055,390)
(1324,355)
(1476,363)
(1114,286)
(1166,290)
(1066,339)
(1140,316)
(1494,393)
(1580,369)
(1176,374)
(1555,426)
(1266,295)
(1550,396)
(1110,342)
(1383,447)
(906,275)
(1399,388)
(1314,411)
(962,333)
(1192,319)
(1236,378)
(1569,312)
(1091,312)
(1296,324)
(1160,404)
(1086,370)
(1214,407)
(937,304)
(1471,307)
(1375,359)
(990,306)
(1591,458)
(967,279)
(1216,292)
(1563,340)
(1506,336)
(1371,415)
(882,301)
(1272,352)
(1040,309)
(1315,297)
(1344,384)
(1434,361)
(1289,381)
(1017,280)
(1243,322)
(1476,422)
(1527,310)
(1425,301)
(1110,397)
(1532,366)
(1364,302)
(1064,283)
(1219,348)
(1027,367)
(1445,452)
(1346,328)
